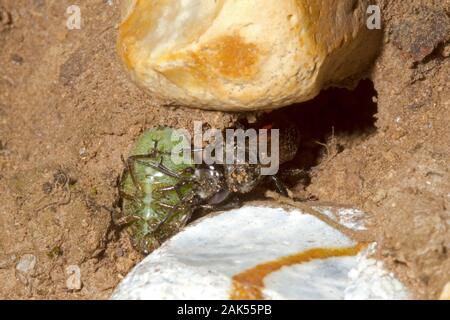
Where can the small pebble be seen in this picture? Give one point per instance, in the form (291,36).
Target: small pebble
(26,264)
(16,59)
(119,252)
(47,188)
(6,20)
(25,267)
(60,177)
(446,51)
(83,152)
(73,282)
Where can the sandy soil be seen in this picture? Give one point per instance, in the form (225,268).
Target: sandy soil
(68,112)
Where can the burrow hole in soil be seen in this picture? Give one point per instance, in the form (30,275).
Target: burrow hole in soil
(335,120)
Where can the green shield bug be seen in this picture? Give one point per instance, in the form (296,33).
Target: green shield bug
(156,193)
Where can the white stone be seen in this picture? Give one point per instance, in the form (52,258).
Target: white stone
(200,261)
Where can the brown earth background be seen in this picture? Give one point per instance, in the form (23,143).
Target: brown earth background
(68,112)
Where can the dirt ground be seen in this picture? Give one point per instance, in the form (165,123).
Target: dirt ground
(68,112)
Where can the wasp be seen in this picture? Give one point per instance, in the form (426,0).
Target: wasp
(158,196)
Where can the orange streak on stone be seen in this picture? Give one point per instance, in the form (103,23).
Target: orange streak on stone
(230,56)
(248,285)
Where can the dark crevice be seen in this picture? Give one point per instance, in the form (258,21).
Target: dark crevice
(335,120)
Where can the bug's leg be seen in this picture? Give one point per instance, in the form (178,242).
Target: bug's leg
(165,205)
(129,197)
(154,151)
(176,188)
(126,196)
(123,160)
(142,159)
(281,188)
(183,221)
(169,216)
(169,188)
(131,161)
(121,180)
(186,218)
(123,221)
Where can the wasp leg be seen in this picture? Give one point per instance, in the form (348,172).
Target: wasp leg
(221,207)
(141,159)
(294,174)
(281,188)
(233,203)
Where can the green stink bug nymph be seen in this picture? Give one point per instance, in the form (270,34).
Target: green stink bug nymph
(156,193)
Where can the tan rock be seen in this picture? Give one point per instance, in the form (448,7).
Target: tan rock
(244,55)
